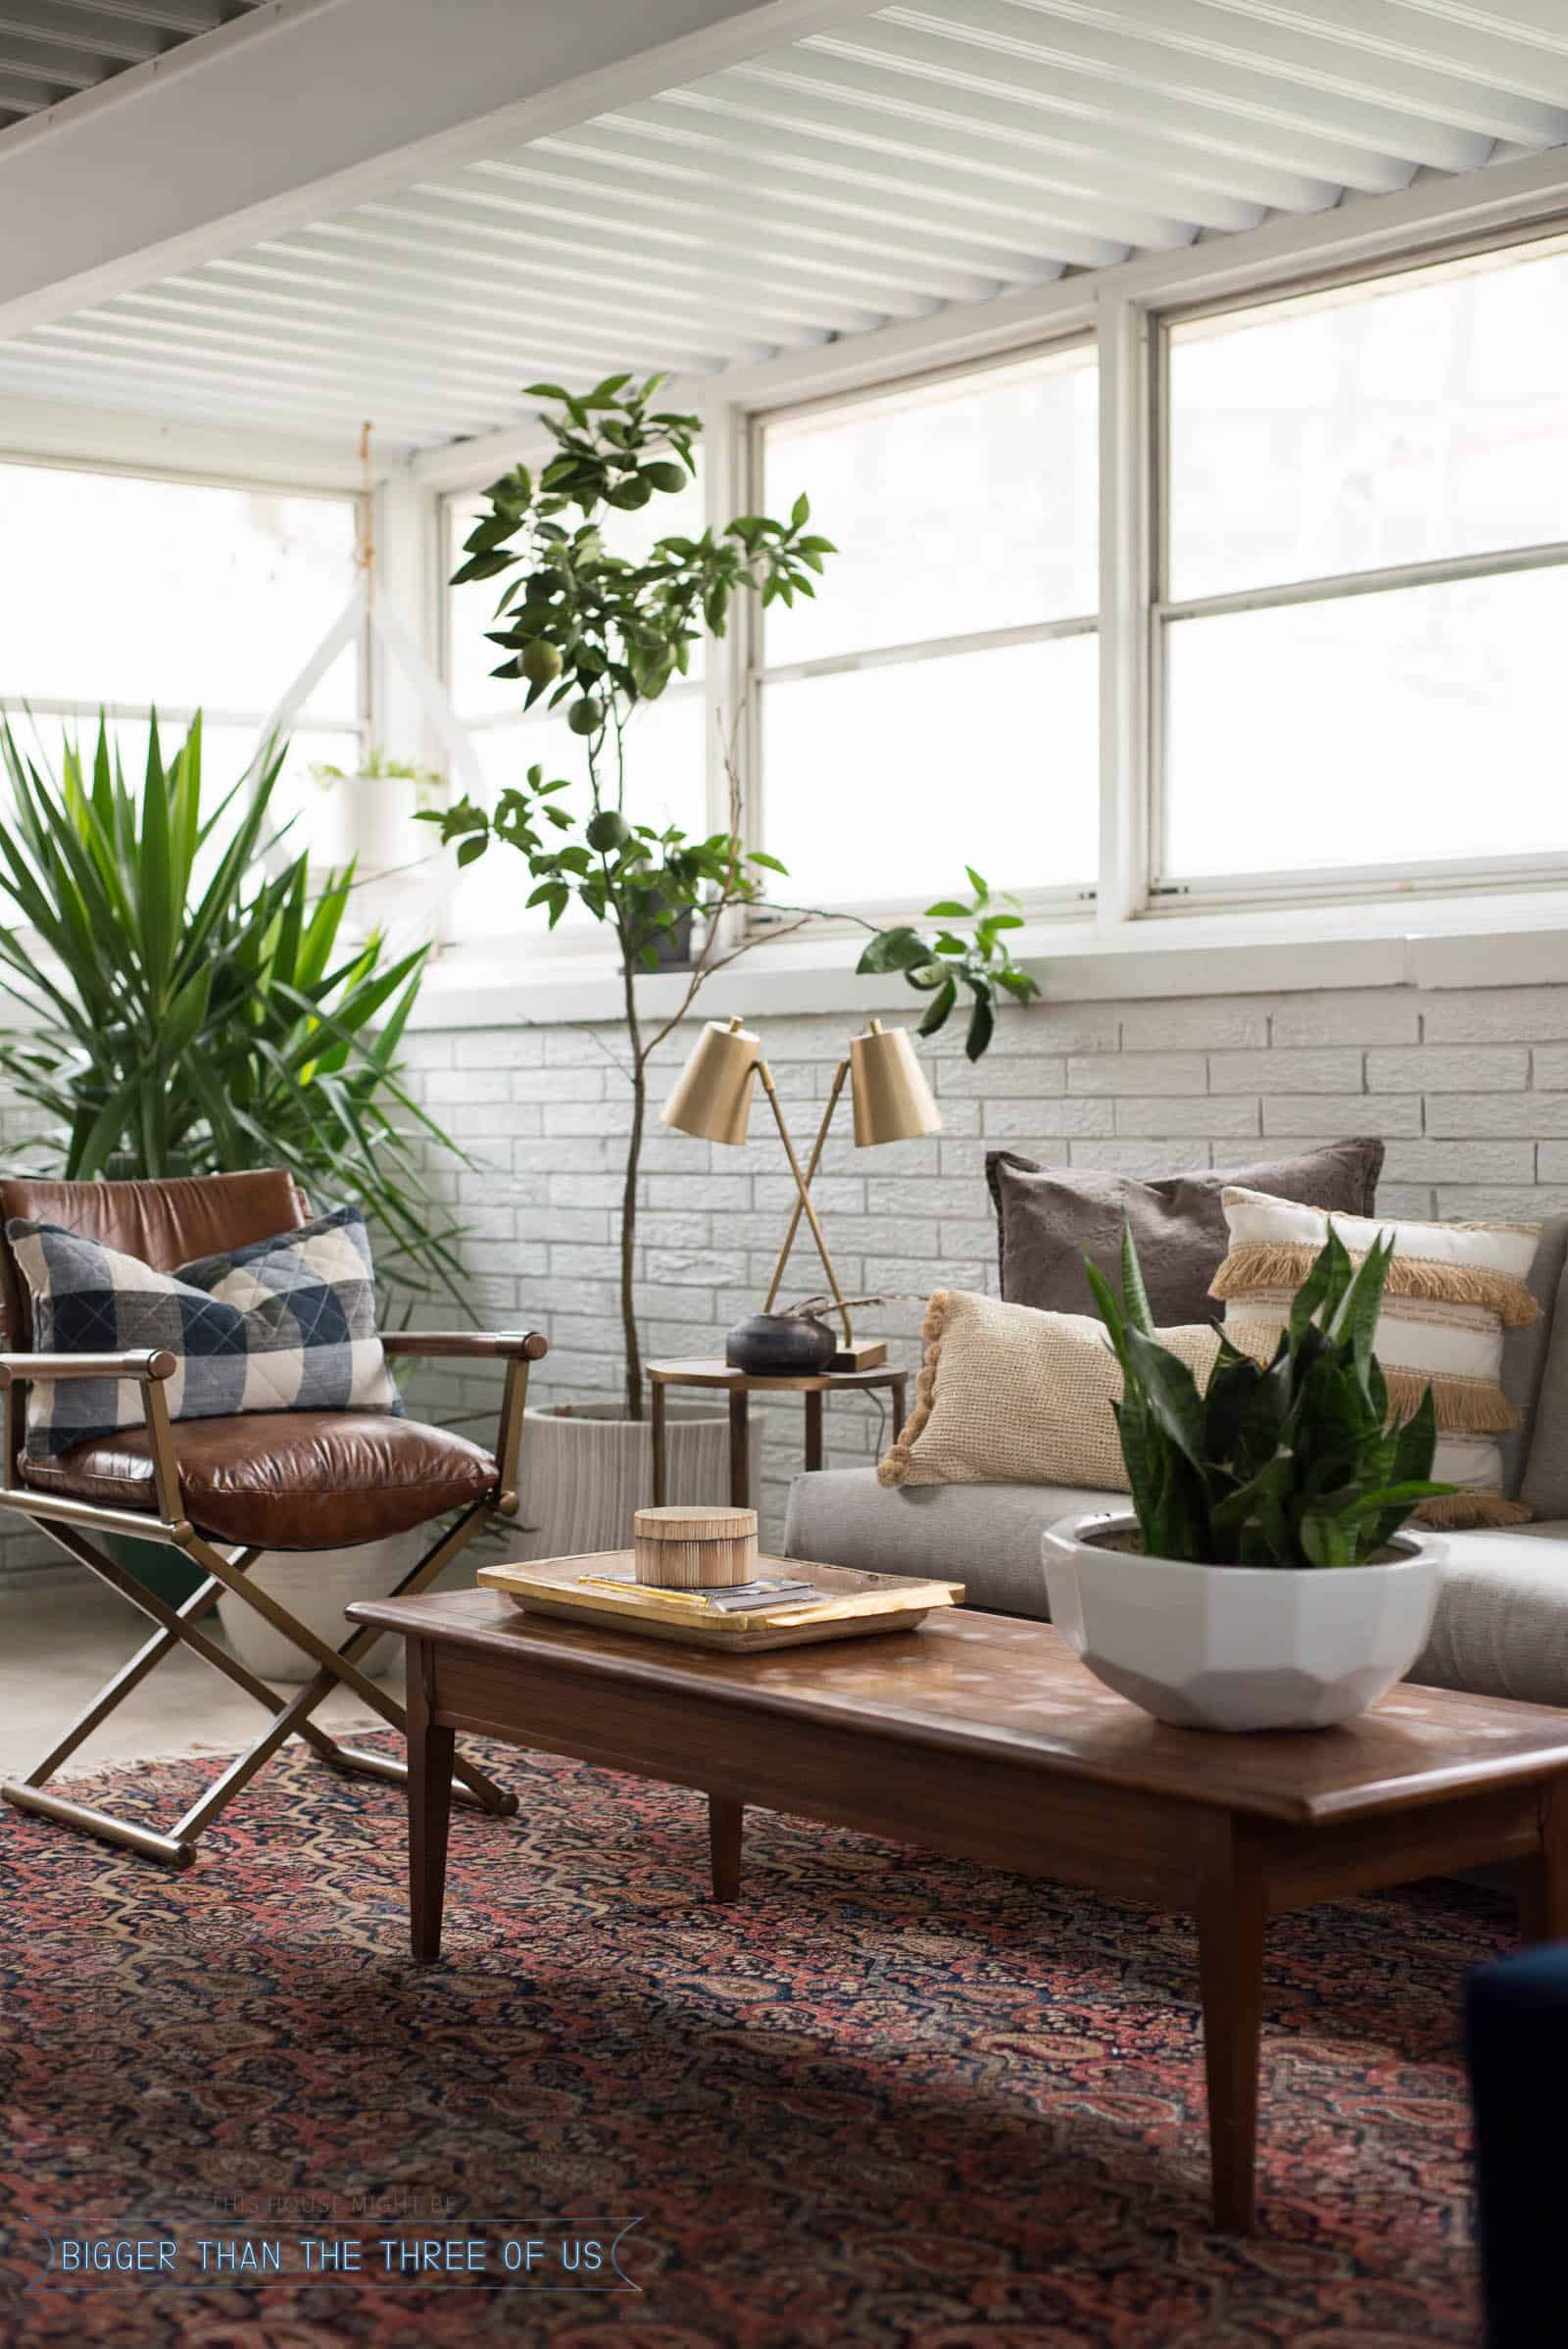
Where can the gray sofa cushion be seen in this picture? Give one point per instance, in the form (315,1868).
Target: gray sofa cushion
(1501,1626)
(986,1536)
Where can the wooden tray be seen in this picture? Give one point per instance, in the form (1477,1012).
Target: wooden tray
(851,1604)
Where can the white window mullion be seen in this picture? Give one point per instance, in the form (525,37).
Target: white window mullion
(1126,471)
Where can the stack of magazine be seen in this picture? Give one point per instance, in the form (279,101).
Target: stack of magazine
(736,1598)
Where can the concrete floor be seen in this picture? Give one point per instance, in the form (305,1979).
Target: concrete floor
(58,1645)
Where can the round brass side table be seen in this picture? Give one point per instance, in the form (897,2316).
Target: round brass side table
(740,1385)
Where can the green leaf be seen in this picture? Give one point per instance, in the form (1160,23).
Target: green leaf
(1135,1295)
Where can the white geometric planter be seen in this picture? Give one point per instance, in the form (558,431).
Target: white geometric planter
(1239,1648)
(317,1584)
(586,1472)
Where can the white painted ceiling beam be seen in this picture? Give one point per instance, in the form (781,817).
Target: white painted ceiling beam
(1075,229)
(936,153)
(315,108)
(502,359)
(1148,56)
(766,214)
(1530,64)
(1220,170)
(213,396)
(395,289)
(60,431)
(1207,48)
(494,206)
(363,262)
(52,63)
(91,27)
(422,220)
(1266,162)
(266,359)
(637,156)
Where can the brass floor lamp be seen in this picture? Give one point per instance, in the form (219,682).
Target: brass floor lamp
(892,1102)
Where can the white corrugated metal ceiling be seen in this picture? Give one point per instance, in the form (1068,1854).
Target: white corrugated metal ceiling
(52,50)
(896,163)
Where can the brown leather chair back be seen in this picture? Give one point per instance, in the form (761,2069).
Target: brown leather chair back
(165,1224)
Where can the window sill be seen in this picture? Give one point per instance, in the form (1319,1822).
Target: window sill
(1506,939)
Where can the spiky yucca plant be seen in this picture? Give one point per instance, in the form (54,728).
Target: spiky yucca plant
(1288,1463)
(188,1013)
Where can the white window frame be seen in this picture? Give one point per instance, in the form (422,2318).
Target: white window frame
(1350,926)
(1333,884)
(358,730)
(1070,901)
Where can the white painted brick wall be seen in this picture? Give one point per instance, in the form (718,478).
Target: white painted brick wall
(1469,1088)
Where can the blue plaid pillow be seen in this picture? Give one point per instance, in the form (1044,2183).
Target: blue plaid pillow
(286,1324)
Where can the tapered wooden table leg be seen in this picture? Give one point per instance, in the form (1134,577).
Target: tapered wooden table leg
(1230,1952)
(725,1820)
(429,1810)
(1543,1885)
(814,1427)
(740,1451)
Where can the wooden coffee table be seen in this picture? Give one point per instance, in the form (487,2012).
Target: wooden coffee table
(983,1736)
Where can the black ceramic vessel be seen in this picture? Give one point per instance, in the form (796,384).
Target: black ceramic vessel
(780,1346)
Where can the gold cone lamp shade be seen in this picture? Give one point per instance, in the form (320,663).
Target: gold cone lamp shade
(892,1102)
(713,1096)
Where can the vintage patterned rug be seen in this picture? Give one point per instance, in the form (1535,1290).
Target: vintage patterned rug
(887,2099)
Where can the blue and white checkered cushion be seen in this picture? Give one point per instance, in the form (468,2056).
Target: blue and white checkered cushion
(286,1324)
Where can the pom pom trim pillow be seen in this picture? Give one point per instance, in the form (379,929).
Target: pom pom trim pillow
(286,1324)
(1452,1290)
(1011,1396)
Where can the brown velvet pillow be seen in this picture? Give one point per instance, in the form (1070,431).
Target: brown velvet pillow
(1049,1218)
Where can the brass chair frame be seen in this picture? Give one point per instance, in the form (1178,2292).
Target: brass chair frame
(72,1524)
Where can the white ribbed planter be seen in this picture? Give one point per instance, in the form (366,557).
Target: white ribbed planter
(317,1584)
(1239,1648)
(586,1472)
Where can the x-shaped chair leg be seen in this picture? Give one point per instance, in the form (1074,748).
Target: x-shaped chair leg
(339,1667)
(179,1627)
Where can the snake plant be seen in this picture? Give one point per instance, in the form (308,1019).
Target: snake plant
(1287,1463)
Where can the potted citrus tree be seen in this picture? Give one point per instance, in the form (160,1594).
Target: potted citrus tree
(1266,1578)
(583,629)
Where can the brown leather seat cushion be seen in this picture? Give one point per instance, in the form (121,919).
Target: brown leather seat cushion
(287,1480)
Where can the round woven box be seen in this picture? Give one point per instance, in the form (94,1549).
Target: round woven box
(694,1549)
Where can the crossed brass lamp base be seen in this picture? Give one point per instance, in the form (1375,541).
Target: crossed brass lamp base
(892,1102)
(72,1524)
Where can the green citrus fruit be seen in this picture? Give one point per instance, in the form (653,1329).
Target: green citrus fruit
(540,660)
(586,716)
(606,830)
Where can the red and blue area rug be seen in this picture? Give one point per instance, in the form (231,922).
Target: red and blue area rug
(885,2099)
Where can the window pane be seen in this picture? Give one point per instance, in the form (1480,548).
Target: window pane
(118,588)
(1415,417)
(882,783)
(959,506)
(471,610)
(1394,728)
(665,784)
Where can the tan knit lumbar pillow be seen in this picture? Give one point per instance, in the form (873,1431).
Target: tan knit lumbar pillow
(1451,1291)
(1008,1395)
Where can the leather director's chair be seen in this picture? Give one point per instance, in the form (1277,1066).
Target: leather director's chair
(224,1491)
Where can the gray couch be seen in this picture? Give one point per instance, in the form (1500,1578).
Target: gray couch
(1501,1627)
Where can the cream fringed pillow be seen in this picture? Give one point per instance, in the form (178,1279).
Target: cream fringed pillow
(1008,1395)
(1451,1291)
